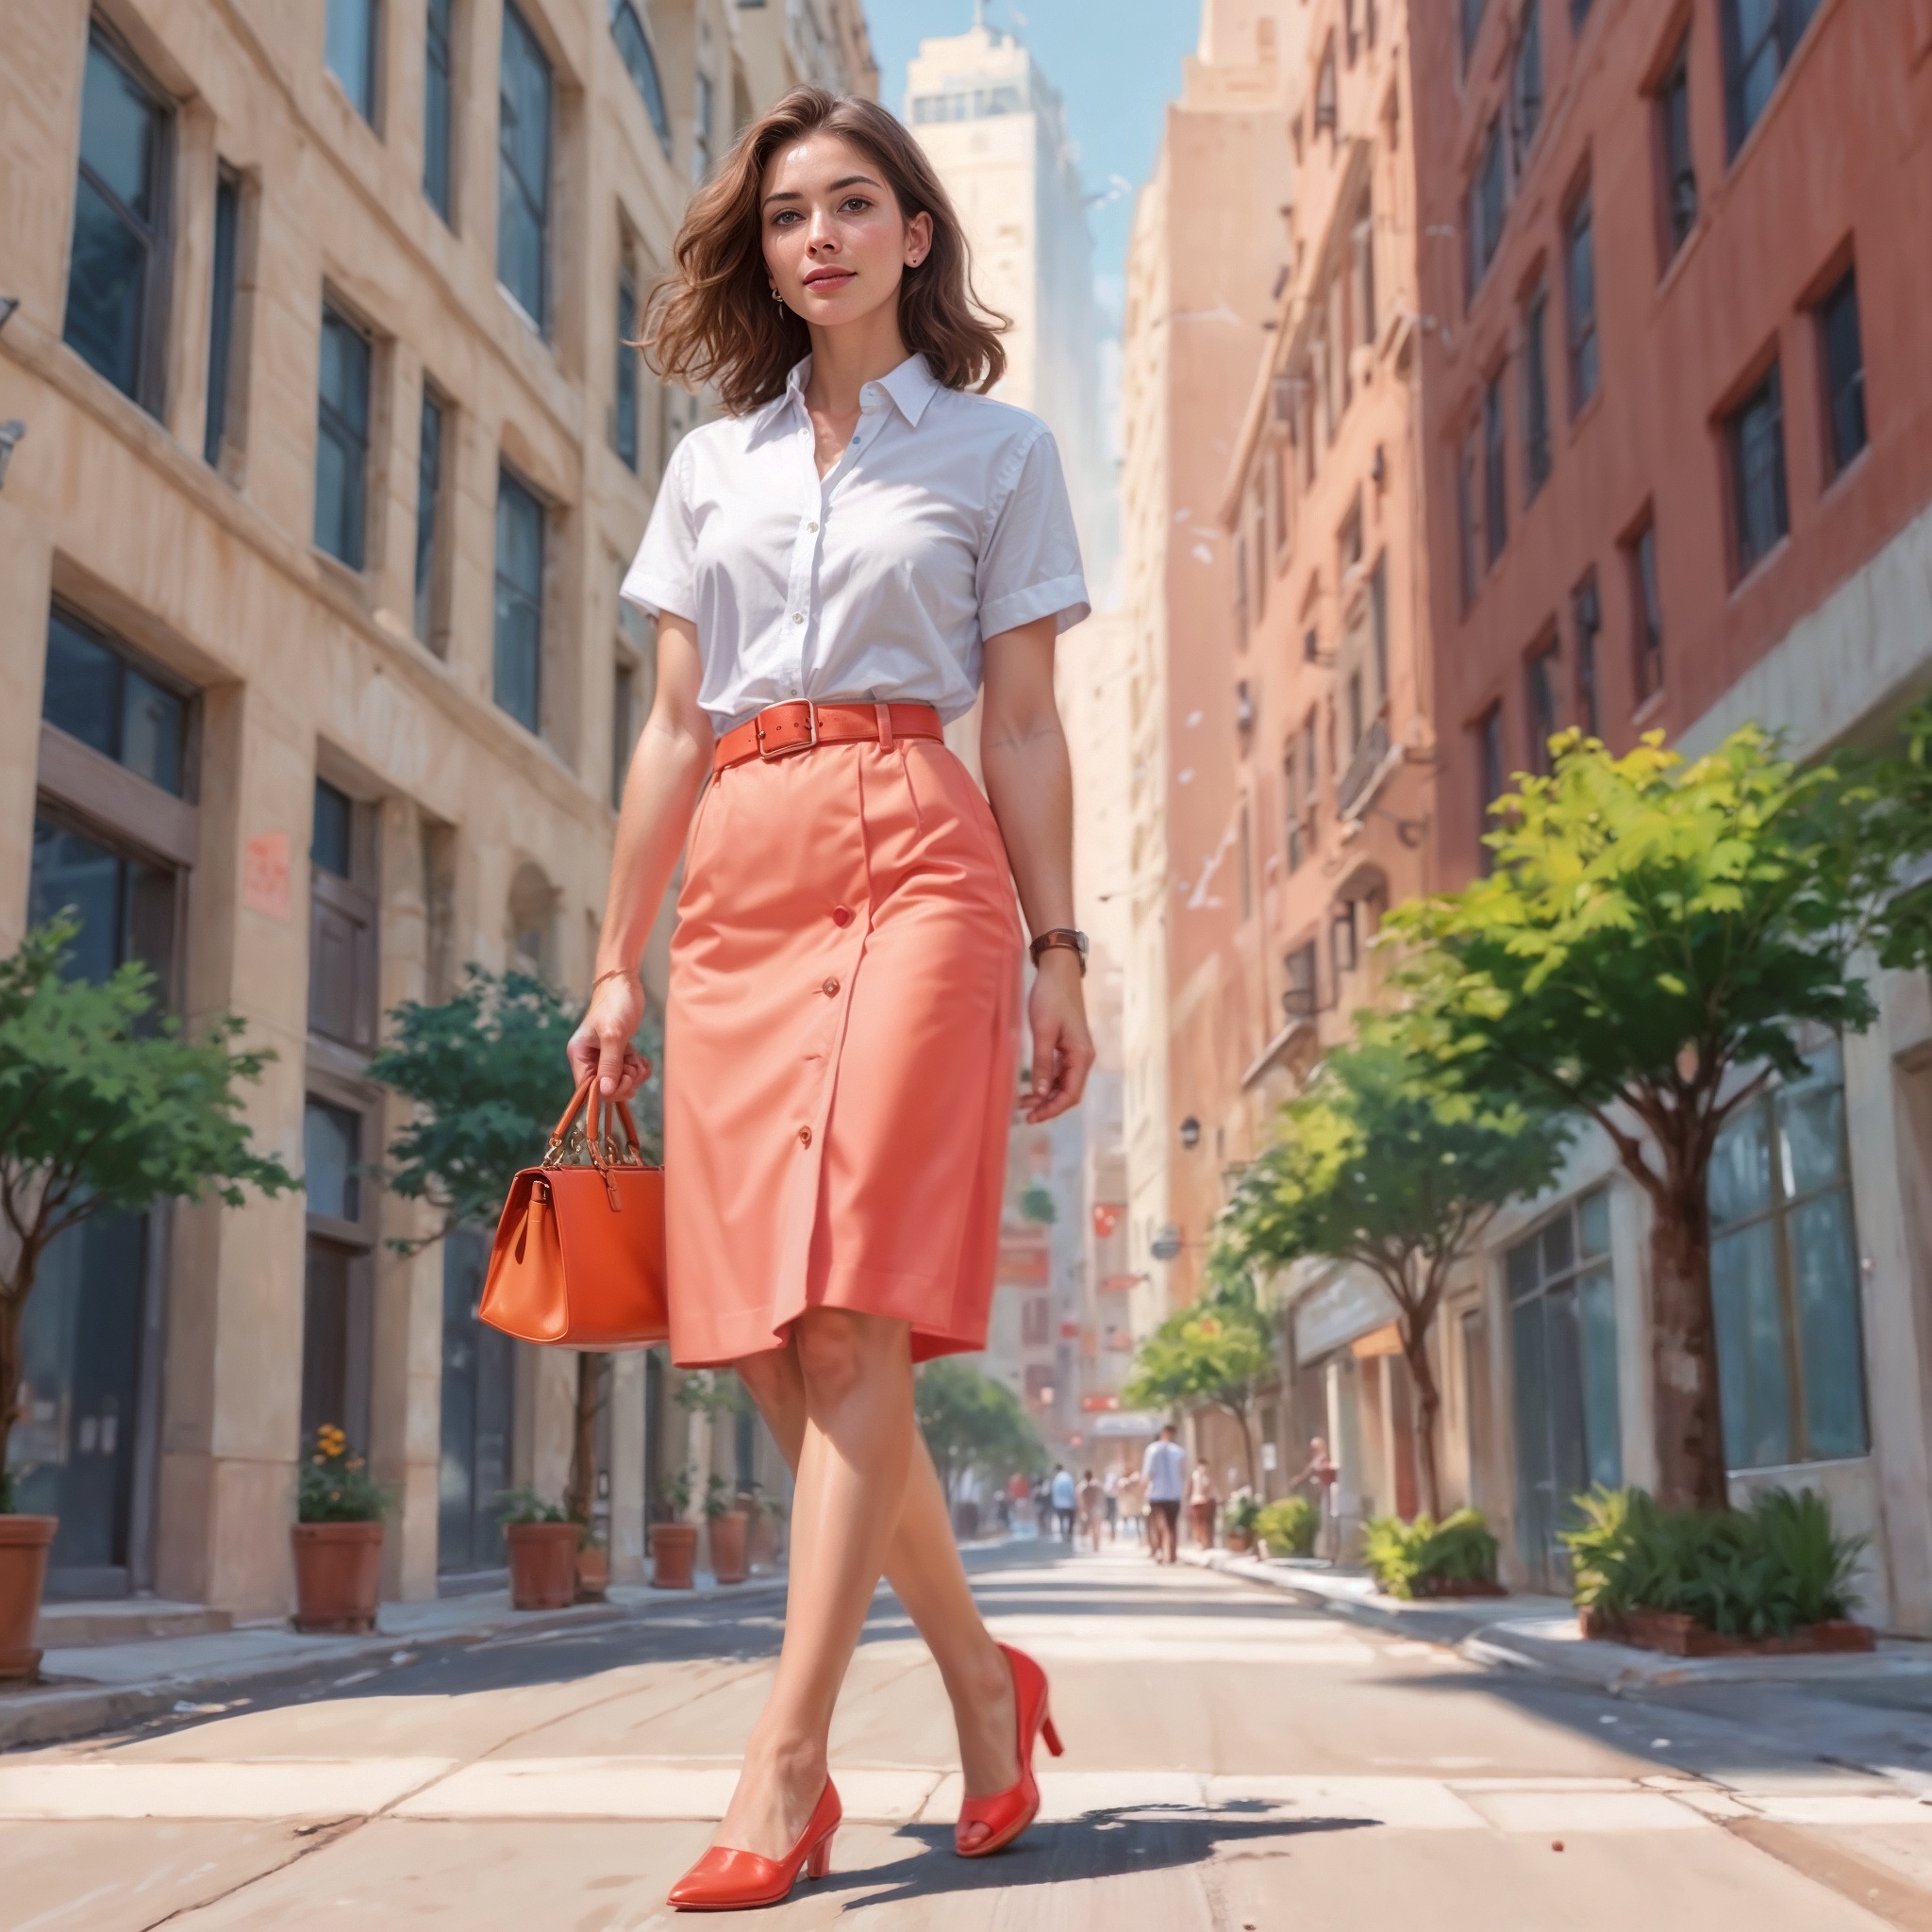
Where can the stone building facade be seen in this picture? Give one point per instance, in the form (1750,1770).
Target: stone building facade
(317,683)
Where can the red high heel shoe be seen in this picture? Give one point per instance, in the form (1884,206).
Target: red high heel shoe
(1008,1813)
(729,1880)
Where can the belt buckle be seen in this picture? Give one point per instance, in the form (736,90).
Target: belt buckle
(758,726)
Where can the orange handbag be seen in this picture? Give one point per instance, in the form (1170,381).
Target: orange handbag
(578,1260)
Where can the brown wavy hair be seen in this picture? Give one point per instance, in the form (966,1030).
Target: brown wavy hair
(712,320)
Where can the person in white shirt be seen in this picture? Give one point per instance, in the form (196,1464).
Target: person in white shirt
(1164,1469)
(859,547)
(1063,1503)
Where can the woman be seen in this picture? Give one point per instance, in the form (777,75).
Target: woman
(836,566)
(1203,1500)
(1092,1508)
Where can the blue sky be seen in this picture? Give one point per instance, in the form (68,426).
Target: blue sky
(1115,62)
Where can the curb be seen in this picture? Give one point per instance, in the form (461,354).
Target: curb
(62,1712)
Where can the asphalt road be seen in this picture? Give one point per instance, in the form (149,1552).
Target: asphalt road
(1234,1762)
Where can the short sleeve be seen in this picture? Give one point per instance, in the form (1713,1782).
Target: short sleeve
(661,577)
(1030,566)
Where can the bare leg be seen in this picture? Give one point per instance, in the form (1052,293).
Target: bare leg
(924,1568)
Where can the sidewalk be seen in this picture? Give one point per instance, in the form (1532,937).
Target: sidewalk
(102,1686)
(1540,1634)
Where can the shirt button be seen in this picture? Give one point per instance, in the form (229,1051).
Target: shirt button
(805,1137)
(798,617)
(830,987)
(841,915)
(812,527)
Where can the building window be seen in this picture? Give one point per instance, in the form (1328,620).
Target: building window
(1297,832)
(1488,734)
(1485,207)
(1344,937)
(1756,434)
(1563,1346)
(1541,689)
(428,512)
(1378,625)
(352,33)
(343,992)
(1527,83)
(1300,999)
(1673,146)
(1641,552)
(341,440)
(220,312)
(623,418)
(1587,613)
(1761,37)
(1241,593)
(634,50)
(94,694)
(1465,518)
(700,134)
(1579,269)
(439,106)
(1535,394)
(519,602)
(1783,1276)
(1843,355)
(117,277)
(1495,480)
(523,170)
(338,1301)
(1471,21)
(1362,242)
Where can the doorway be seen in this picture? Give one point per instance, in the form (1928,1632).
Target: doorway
(478,1407)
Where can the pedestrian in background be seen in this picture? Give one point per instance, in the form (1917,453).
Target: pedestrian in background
(1019,1500)
(1134,1504)
(1164,1469)
(1110,1490)
(1319,1472)
(1092,1506)
(1063,1500)
(857,548)
(1202,1503)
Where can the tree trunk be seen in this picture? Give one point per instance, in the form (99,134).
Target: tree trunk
(1240,1416)
(580,1497)
(1428,1408)
(1683,1346)
(12,1307)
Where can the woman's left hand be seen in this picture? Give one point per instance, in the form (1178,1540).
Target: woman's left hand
(1062,1047)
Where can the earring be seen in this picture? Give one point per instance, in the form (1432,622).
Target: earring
(775,296)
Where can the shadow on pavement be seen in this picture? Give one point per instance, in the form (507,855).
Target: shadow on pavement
(1101,1843)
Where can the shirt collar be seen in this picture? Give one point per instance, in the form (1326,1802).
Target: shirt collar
(911,385)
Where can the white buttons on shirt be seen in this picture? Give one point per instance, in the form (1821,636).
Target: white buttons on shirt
(798,617)
(812,527)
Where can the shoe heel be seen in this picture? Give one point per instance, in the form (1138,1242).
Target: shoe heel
(820,1862)
(1052,1737)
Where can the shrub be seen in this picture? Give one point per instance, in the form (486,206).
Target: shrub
(1419,1558)
(1288,1526)
(335,1487)
(1242,1512)
(1760,1572)
(526,1506)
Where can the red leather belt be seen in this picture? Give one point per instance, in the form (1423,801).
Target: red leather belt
(782,729)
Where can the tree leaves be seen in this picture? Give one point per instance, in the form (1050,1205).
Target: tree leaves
(970,1421)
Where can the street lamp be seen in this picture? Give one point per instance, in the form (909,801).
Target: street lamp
(1166,1244)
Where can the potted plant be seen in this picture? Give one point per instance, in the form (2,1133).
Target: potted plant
(1239,1519)
(1287,1529)
(1426,1558)
(593,1566)
(673,1542)
(543,1545)
(338,1540)
(109,1106)
(761,1530)
(726,1525)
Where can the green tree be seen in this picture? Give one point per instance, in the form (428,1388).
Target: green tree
(1651,937)
(972,1422)
(1216,1353)
(106,1106)
(487,1074)
(1382,1163)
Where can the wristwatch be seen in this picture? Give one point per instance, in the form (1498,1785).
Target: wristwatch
(1061,935)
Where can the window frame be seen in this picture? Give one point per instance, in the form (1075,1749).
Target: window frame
(370,108)
(1538,450)
(332,426)
(1492,781)
(1582,344)
(508,482)
(1495,439)
(439,82)
(626,408)
(517,32)
(1676,154)
(1785,25)
(1646,610)
(1587,621)
(154,232)
(1751,546)
(1527,103)
(432,495)
(225,274)
(1488,183)
(1843,288)
(650,87)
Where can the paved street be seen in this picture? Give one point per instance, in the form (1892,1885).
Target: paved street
(1234,1761)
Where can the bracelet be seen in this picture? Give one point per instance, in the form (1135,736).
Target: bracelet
(1061,935)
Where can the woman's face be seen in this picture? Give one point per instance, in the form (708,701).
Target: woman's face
(836,243)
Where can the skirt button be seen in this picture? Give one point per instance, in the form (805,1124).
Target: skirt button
(830,987)
(805,1137)
(841,915)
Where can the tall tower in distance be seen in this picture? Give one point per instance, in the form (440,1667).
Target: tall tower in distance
(995,131)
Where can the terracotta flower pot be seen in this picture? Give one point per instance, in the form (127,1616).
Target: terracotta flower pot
(673,1555)
(543,1564)
(337,1575)
(1237,1541)
(593,1573)
(24,1544)
(728,1547)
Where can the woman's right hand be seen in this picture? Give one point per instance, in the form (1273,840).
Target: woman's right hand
(603,1042)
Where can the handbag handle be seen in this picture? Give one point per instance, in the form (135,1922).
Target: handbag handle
(597,1126)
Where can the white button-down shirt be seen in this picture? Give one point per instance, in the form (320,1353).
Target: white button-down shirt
(945,523)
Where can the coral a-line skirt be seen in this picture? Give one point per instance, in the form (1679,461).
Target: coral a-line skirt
(840,1051)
